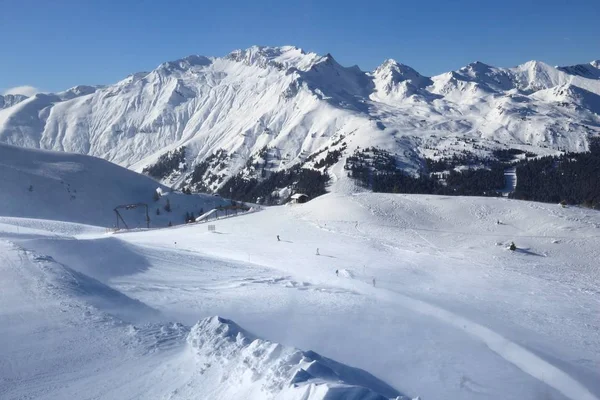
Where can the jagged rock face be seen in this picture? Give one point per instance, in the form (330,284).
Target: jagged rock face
(295,104)
(9,100)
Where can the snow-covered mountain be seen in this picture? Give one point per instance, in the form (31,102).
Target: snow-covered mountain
(590,70)
(280,107)
(10,100)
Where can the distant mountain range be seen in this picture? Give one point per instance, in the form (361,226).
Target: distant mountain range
(199,121)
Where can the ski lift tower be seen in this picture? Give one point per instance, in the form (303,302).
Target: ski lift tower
(131,207)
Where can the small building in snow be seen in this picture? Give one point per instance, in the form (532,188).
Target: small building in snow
(299,198)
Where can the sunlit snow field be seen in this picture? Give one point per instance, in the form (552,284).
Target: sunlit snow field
(452,314)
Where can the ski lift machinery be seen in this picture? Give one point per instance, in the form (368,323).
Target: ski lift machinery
(131,207)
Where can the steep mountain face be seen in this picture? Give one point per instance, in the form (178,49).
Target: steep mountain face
(10,100)
(267,109)
(591,70)
(394,82)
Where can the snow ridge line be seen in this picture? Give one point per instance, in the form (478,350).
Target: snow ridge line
(515,354)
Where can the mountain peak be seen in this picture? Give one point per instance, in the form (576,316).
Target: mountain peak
(388,64)
(76,91)
(478,67)
(195,59)
(279,57)
(391,74)
(392,66)
(534,65)
(185,63)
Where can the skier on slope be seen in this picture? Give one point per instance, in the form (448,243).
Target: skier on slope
(279,240)
(373,281)
(337,272)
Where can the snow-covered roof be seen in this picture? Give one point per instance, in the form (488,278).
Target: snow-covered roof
(298,195)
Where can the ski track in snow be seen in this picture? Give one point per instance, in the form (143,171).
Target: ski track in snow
(510,351)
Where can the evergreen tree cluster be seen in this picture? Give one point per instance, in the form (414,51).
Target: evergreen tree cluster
(302,180)
(573,178)
(167,164)
(190,217)
(508,155)
(330,159)
(472,160)
(314,155)
(376,169)
(475,182)
(470,182)
(199,181)
(449,163)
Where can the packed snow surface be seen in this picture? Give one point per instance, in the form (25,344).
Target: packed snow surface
(427,302)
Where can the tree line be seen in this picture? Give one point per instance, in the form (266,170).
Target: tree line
(572,178)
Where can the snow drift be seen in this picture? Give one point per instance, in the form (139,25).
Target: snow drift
(235,364)
(62,282)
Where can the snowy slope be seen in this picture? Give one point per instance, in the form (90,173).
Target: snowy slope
(48,306)
(77,188)
(452,313)
(297,103)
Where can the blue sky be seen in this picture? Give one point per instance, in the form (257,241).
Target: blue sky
(53,45)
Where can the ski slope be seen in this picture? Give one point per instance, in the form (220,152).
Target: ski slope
(82,189)
(452,314)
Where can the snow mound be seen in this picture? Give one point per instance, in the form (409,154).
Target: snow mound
(235,364)
(77,290)
(346,273)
